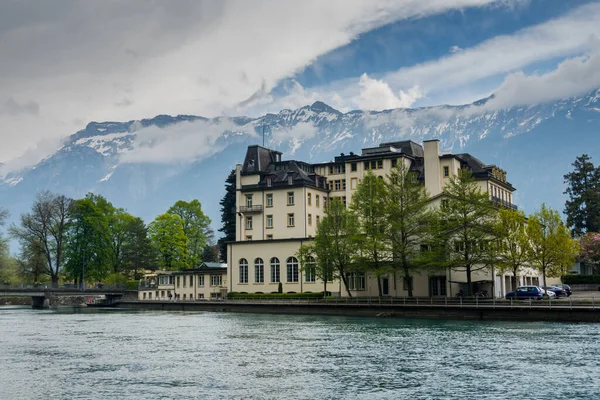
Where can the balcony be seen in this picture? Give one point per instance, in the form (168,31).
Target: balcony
(251,209)
(504,203)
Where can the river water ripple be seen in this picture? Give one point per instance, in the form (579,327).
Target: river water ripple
(95,354)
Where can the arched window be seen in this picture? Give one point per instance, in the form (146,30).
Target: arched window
(292,269)
(243,270)
(310,273)
(259,270)
(275,274)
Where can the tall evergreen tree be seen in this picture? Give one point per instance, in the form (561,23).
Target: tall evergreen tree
(407,215)
(227,216)
(371,240)
(583,205)
(464,227)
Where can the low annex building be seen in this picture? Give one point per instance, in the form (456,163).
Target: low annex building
(281,202)
(207,282)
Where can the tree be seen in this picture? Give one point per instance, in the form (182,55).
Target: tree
(334,237)
(32,264)
(552,249)
(227,215)
(210,253)
(590,248)
(513,247)
(583,188)
(138,252)
(88,241)
(195,227)
(168,238)
(407,216)
(5,263)
(46,224)
(371,239)
(320,265)
(464,227)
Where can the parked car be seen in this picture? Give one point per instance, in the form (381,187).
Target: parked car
(548,293)
(564,287)
(559,292)
(526,292)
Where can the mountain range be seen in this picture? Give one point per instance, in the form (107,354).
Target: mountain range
(145,166)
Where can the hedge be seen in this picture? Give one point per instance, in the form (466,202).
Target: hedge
(236,295)
(580,279)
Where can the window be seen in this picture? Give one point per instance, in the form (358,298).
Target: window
(248,237)
(379,164)
(269,221)
(309,219)
(353,167)
(149,295)
(324,202)
(290,219)
(446,171)
(269,182)
(249,200)
(309,199)
(331,169)
(178,281)
(290,180)
(310,274)
(353,183)
(292,269)
(318,219)
(343,184)
(394,163)
(243,271)
(459,246)
(317,200)
(200,280)
(144,295)
(445,203)
(275,273)
(200,296)
(185,280)
(216,280)
(269,237)
(270,200)
(259,270)
(290,198)
(338,185)
(374,164)
(248,223)
(356,281)
(344,200)
(366,165)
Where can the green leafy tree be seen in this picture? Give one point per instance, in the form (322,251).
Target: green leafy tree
(463,227)
(168,238)
(320,265)
(372,239)
(583,188)
(552,249)
(32,264)
(407,216)
(88,241)
(335,236)
(195,227)
(513,248)
(46,224)
(138,252)
(227,216)
(5,267)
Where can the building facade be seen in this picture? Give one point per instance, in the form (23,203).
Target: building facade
(206,282)
(280,204)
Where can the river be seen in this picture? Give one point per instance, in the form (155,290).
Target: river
(68,353)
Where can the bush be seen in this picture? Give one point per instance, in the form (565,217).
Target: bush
(237,295)
(580,279)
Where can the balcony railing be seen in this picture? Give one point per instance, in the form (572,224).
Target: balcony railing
(504,203)
(251,209)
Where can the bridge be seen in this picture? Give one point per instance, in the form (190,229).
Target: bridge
(40,297)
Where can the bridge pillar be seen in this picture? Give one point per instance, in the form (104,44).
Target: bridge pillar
(40,302)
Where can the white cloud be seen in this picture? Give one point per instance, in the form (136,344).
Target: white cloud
(85,61)
(183,142)
(455,49)
(377,95)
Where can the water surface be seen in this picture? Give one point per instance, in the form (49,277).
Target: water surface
(96,354)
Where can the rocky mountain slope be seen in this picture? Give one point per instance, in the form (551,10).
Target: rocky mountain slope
(145,166)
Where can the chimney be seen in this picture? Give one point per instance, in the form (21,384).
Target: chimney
(431,164)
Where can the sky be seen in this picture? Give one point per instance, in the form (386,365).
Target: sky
(69,62)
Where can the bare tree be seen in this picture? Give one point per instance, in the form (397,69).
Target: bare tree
(45,225)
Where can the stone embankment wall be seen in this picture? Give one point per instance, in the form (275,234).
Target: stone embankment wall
(55,301)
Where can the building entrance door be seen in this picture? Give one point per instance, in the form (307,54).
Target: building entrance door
(385,286)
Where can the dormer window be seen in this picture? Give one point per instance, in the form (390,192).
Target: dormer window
(269,182)
(290,180)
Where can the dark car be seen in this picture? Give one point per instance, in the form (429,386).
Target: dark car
(559,292)
(564,287)
(526,292)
